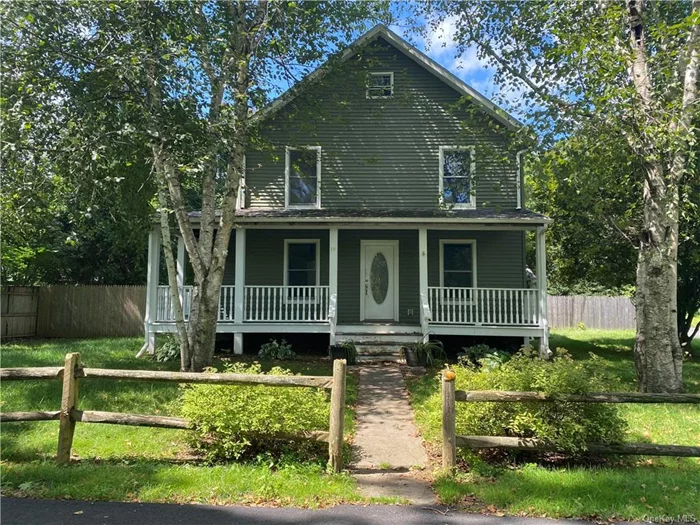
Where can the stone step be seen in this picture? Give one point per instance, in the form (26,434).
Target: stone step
(379,348)
(380,338)
(388,358)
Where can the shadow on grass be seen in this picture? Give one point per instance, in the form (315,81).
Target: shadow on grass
(132,478)
(666,487)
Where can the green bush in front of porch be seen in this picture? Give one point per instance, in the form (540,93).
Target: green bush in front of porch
(121,463)
(607,488)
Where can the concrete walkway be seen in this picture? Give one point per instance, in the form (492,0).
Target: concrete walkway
(388,450)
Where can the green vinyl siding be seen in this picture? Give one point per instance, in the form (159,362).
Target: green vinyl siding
(382,153)
(500,259)
(265,254)
(349,279)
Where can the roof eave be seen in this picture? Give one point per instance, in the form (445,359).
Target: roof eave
(534,221)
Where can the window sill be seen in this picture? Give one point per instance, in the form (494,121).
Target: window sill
(303,207)
(459,206)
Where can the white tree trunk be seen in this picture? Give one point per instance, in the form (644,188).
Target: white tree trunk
(658,353)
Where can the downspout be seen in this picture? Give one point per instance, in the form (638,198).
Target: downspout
(519,179)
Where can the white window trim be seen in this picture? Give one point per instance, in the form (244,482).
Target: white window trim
(287,242)
(443,242)
(472,170)
(391,84)
(287,169)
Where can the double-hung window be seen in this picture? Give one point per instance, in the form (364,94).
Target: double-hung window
(380,85)
(457,166)
(457,263)
(301,267)
(303,177)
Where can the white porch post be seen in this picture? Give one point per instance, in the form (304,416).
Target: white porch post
(423,276)
(152,277)
(180,264)
(181,273)
(239,290)
(541,270)
(333,277)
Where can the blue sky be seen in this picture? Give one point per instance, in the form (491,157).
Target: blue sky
(438,43)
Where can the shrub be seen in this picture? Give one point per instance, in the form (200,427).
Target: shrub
(483,356)
(276,350)
(236,421)
(169,350)
(427,353)
(350,352)
(567,425)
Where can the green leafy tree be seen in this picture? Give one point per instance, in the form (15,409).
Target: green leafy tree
(622,74)
(593,240)
(76,189)
(183,80)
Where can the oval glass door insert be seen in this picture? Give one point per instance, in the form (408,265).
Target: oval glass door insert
(379,278)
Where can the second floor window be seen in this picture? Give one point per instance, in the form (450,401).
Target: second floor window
(456,172)
(303,177)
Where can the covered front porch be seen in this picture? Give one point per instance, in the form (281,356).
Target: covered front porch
(347,280)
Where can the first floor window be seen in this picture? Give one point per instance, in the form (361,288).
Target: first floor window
(456,171)
(301,262)
(303,168)
(458,264)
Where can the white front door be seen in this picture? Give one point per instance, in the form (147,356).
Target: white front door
(380,280)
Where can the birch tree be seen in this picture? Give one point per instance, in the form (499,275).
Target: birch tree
(627,69)
(186,77)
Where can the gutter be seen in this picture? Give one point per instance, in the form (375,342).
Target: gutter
(519,179)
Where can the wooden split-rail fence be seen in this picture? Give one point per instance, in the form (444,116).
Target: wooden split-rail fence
(72,373)
(450,439)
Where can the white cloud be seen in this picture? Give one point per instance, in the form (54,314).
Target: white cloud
(468,62)
(440,45)
(441,38)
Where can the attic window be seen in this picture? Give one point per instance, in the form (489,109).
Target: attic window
(380,85)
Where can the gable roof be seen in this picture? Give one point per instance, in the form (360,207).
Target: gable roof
(411,52)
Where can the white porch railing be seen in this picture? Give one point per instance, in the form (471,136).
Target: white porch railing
(281,304)
(483,306)
(166,313)
(268,304)
(333,316)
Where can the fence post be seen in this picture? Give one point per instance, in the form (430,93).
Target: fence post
(337,419)
(69,401)
(449,445)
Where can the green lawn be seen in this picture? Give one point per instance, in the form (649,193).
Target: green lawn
(142,464)
(627,488)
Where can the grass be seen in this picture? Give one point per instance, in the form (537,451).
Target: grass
(632,488)
(121,463)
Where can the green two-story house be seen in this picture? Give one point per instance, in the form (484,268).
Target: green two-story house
(382,204)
